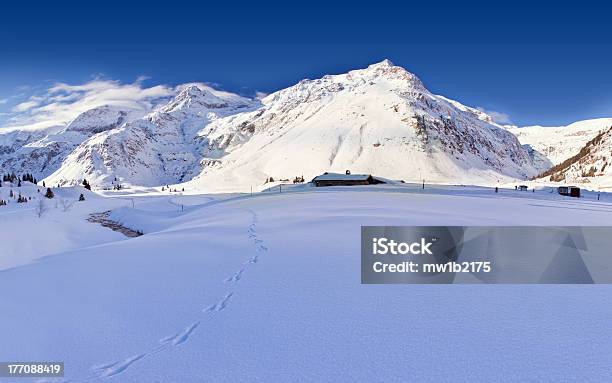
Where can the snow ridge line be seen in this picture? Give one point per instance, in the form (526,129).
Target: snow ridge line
(102,371)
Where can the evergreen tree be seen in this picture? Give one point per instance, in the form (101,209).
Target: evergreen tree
(19,183)
(81,197)
(86,184)
(49,194)
(44,184)
(11,194)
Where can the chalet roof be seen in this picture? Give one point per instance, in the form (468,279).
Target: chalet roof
(341,177)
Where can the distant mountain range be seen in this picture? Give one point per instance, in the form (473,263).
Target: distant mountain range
(590,165)
(561,142)
(378,120)
(580,152)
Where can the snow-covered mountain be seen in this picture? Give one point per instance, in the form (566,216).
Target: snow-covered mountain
(41,152)
(561,142)
(592,164)
(378,120)
(157,149)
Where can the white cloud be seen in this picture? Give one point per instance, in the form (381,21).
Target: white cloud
(499,117)
(25,106)
(3,101)
(62,102)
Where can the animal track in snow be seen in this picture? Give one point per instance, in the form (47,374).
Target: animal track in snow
(254,259)
(182,336)
(261,248)
(221,305)
(236,277)
(115,368)
(119,366)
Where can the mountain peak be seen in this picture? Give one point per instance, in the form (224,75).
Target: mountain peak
(386,63)
(386,69)
(194,96)
(192,90)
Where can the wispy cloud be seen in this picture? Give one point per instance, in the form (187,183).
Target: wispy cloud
(25,106)
(62,102)
(3,100)
(499,117)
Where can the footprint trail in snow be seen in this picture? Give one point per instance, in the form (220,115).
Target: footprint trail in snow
(114,368)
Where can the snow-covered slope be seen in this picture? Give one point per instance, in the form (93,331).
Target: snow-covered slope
(42,152)
(561,142)
(12,157)
(101,119)
(591,165)
(266,289)
(156,149)
(378,120)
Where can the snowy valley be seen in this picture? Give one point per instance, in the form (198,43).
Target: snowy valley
(231,287)
(220,283)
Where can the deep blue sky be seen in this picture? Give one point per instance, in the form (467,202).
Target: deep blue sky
(543,63)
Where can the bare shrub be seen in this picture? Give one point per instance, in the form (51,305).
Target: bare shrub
(40,208)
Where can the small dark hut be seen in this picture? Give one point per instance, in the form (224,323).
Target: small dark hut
(570,191)
(348,179)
